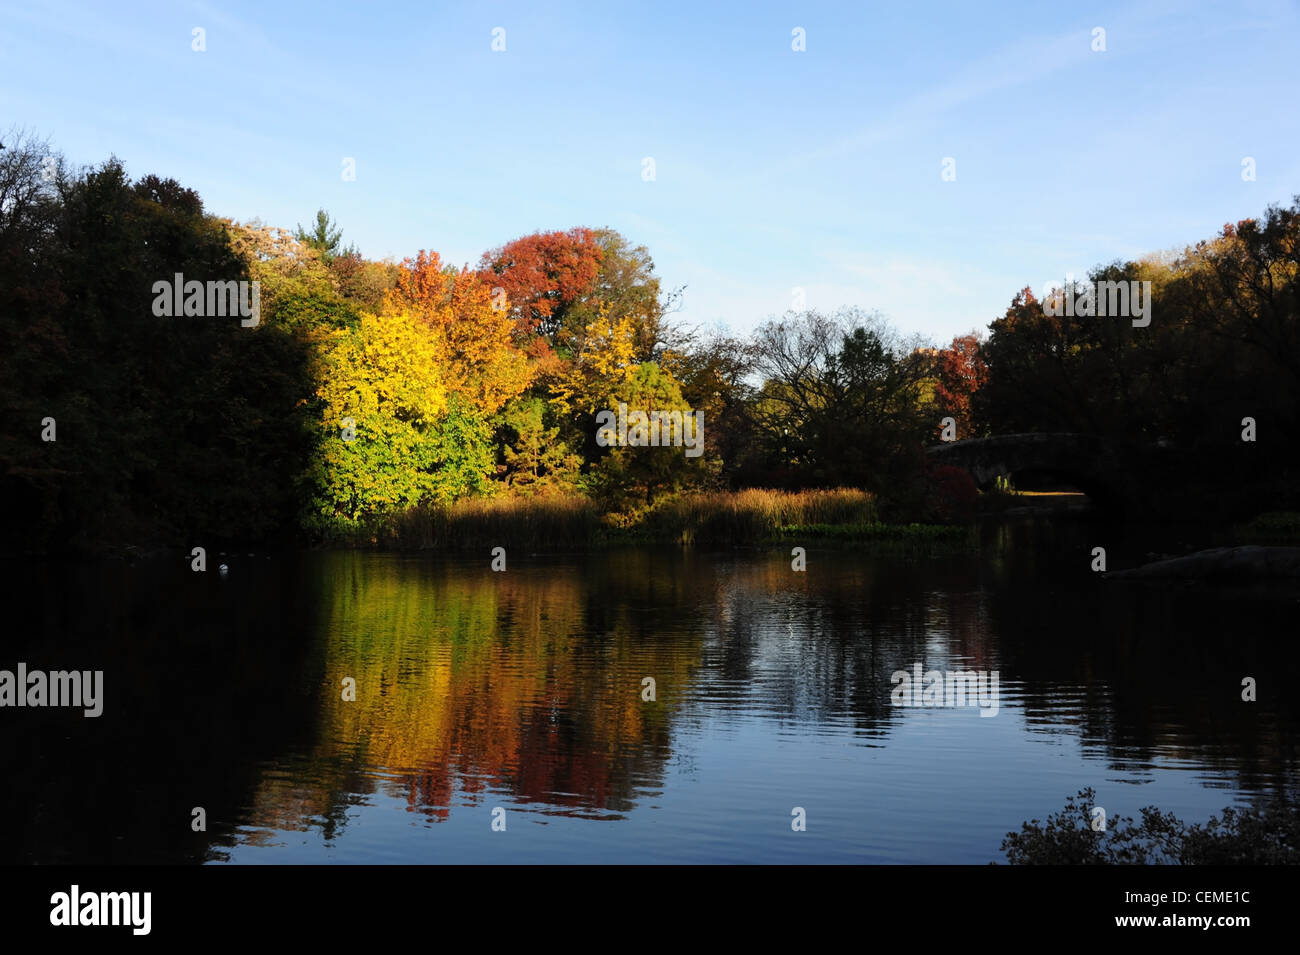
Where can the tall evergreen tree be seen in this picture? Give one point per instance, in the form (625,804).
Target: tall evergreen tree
(326,237)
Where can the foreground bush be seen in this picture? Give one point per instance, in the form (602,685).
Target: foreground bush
(1268,834)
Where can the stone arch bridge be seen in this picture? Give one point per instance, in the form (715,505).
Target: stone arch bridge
(1092,464)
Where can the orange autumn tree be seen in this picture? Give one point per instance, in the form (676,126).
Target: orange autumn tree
(543,279)
(411,397)
(483,365)
(543,275)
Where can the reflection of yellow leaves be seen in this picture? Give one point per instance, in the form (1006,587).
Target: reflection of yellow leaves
(450,701)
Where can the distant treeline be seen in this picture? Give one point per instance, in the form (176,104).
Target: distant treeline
(365,390)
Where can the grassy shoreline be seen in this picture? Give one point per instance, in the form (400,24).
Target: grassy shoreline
(755,518)
(840,517)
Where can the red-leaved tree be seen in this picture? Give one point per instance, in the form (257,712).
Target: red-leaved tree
(962,372)
(543,275)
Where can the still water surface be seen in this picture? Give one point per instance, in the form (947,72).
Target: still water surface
(523,691)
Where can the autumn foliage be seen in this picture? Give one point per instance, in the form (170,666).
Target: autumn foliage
(962,372)
(371,388)
(482,364)
(542,276)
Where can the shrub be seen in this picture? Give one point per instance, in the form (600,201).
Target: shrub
(1273,526)
(952,494)
(1267,834)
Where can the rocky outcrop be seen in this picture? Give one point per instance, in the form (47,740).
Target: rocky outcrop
(1223,565)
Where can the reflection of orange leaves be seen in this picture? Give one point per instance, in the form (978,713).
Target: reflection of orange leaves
(449,703)
(472,716)
(454,703)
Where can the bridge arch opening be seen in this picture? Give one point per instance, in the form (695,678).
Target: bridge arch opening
(1064,484)
(1054,484)
(1042,480)
(1042,463)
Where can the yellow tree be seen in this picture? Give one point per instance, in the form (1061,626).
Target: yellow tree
(603,364)
(383,396)
(604,374)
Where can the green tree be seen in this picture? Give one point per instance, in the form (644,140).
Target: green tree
(842,400)
(169,428)
(326,237)
(630,474)
(533,457)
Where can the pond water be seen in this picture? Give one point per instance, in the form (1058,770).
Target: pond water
(504,717)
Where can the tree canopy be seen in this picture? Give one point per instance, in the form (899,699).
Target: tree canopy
(369,388)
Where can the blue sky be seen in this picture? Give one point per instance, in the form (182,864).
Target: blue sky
(774,169)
